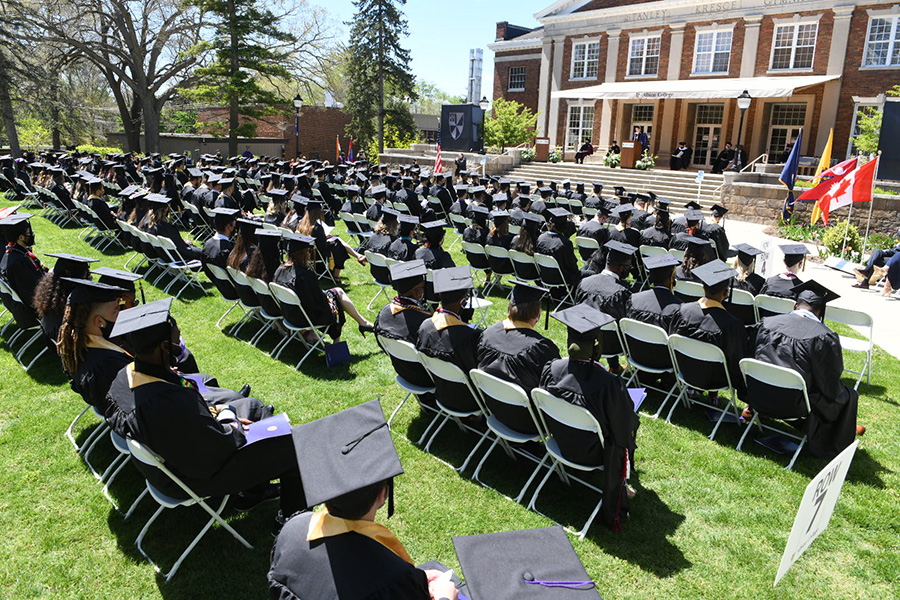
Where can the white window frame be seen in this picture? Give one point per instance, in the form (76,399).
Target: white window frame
(894,42)
(645,37)
(509,86)
(573,73)
(580,106)
(715,31)
(796,23)
(876,102)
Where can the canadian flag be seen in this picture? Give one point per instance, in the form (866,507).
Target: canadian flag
(827,177)
(855,187)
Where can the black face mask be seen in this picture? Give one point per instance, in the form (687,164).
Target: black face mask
(29,239)
(107,328)
(174,354)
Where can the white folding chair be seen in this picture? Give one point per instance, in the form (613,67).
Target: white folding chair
(767,306)
(586,245)
(148,457)
(766,384)
(524,267)
(37,334)
(679,254)
(477,257)
(269,310)
(742,304)
(713,358)
(457,221)
(248,299)
(501,264)
(552,277)
(859,320)
(223,283)
(648,251)
(184,270)
(297,321)
(647,348)
(689,291)
(569,416)
(510,397)
(403,351)
(378,266)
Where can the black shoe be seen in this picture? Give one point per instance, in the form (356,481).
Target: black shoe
(248,500)
(364,329)
(245,391)
(862,285)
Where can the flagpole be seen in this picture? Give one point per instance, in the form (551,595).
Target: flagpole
(847,230)
(871,202)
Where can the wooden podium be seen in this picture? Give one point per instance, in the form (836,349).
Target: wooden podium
(631,153)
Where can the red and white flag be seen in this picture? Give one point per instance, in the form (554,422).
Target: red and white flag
(827,178)
(438,164)
(854,187)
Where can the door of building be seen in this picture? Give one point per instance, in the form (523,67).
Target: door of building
(784,128)
(707,134)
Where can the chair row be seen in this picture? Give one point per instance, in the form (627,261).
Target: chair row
(161,253)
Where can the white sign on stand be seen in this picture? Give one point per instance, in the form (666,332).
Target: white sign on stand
(816,508)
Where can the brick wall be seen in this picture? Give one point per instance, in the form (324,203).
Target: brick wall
(823,43)
(625,49)
(567,82)
(529,97)
(318,128)
(690,42)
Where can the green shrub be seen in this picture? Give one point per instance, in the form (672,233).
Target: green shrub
(555,155)
(527,154)
(612,160)
(91,149)
(833,238)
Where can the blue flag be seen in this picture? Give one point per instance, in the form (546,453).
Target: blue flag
(788,178)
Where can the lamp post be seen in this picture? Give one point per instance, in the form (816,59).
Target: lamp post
(298,104)
(743,102)
(485,105)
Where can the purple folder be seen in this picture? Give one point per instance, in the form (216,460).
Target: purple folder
(198,379)
(268,428)
(637,396)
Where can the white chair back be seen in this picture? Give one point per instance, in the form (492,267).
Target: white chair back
(767,305)
(688,289)
(570,415)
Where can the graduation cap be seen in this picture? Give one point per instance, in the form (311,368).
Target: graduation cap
(145,325)
(461,188)
(696,244)
(501,197)
(525,187)
(454,279)
(268,237)
(296,242)
(545,191)
(71,263)
(692,214)
(158,199)
(620,250)
(713,273)
(692,204)
(407,275)
(15,219)
(622,209)
(117,277)
(532,218)
(584,321)
(663,261)
(195,173)
(663,203)
(277,194)
(597,186)
(124,193)
(479,212)
(499,214)
(519,565)
(619,190)
(223,216)
(248,227)
(718,211)
(560,215)
(214,179)
(226,181)
(793,253)
(85,291)
(379,190)
(746,253)
(813,293)
(524,293)
(389,214)
(434,225)
(478,189)
(408,220)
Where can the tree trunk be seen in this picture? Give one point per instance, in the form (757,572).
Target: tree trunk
(6,108)
(381,60)
(151,109)
(233,105)
(54,115)
(130,116)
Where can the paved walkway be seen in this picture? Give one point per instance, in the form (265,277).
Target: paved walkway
(884,311)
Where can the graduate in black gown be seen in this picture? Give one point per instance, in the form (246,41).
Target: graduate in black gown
(447,335)
(658,305)
(724,159)
(697,253)
(679,224)
(341,552)
(747,279)
(782,285)
(404,247)
(19,267)
(244,244)
(607,292)
(477,232)
(554,242)
(658,234)
(218,247)
(714,231)
(596,229)
(402,317)
(513,351)
(499,234)
(708,321)
(692,229)
(801,341)
(432,253)
(159,226)
(207,449)
(53,290)
(582,381)
(386,232)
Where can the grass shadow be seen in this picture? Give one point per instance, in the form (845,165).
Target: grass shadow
(864,470)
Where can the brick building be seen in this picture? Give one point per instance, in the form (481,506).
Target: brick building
(596,68)
(319,127)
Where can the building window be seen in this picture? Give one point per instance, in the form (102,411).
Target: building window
(787,119)
(585,60)
(860,108)
(794,46)
(883,43)
(644,56)
(713,52)
(517,79)
(581,126)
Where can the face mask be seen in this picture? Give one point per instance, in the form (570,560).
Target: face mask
(29,238)
(106,328)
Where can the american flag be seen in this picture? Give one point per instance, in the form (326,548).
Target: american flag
(438,164)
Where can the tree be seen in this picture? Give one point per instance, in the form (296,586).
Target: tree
(512,124)
(868,122)
(431,98)
(377,62)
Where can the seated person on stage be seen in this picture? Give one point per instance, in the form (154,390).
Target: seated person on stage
(433,253)
(386,231)
(658,234)
(500,235)
(404,247)
(477,232)
(595,229)
(582,381)
(783,284)
(697,253)
(714,231)
(658,305)
(586,149)
(724,160)
(893,276)
(216,249)
(158,226)
(206,449)
(747,279)
(19,267)
(801,341)
(875,267)
(341,552)
(708,321)
(512,350)
(448,336)
(607,292)
(613,148)
(681,157)
(554,242)
(323,307)
(53,290)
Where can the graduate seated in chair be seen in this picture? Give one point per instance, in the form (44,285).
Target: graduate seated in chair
(801,341)
(386,231)
(582,381)
(782,285)
(433,253)
(341,552)
(218,247)
(747,278)
(54,288)
(658,305)
(19,267)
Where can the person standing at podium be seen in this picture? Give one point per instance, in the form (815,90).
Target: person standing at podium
(638,135)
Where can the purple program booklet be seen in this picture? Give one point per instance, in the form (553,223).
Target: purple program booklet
(268,428)
(637,396)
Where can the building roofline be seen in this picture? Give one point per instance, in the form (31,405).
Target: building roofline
(515,44)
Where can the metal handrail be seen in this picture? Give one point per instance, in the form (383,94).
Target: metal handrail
(763,157)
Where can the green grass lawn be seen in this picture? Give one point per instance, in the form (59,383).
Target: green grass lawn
(708,522)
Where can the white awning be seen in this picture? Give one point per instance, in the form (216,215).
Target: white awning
(757,87)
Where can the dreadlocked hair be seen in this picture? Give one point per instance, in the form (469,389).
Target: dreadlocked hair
(72,339)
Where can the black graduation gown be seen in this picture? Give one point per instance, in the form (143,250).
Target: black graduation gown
(587,384)
(753,284)
(22,275)
(638,219)
(443,195)
(626,235)
(722,160)
(716,233)
(401,320)
(780,286)
(60,191)
(101,363)
(680,275)
(594,230)
(435,257)
(605,292)
(216,250)
(709,322)
(373,213)
(350,566)
(680,240)
(380,243)
(446,337)
(517,354)
(403,248)
(226,201)
(656,306)
(475,235)
(562,249)
(168,230)
(651,236)
(814,351)
(502,241)
(678,225)
(305,284)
